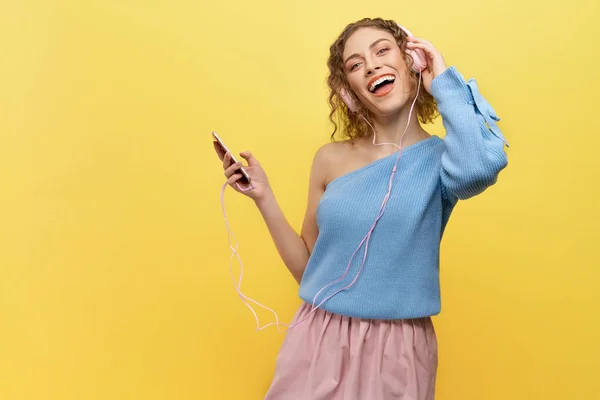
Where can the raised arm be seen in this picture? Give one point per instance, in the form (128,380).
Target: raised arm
(474,154)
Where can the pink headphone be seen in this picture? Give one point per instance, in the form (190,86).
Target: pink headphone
(419,64)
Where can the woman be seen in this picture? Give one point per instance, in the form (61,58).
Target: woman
(369,268)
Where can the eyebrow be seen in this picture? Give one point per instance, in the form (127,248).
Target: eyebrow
(375,43)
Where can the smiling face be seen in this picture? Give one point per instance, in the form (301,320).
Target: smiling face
(376,71)
(354,60)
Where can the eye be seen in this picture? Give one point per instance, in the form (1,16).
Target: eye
(354,66)
(381,51)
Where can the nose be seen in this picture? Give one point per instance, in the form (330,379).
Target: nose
(371,66)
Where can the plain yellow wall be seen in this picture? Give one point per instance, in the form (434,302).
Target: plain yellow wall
(114,279)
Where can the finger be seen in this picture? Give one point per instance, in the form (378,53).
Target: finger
(246,155)
(226,160)
(426,47)
(229,171)
(419,40)
(233,179)
(219,150)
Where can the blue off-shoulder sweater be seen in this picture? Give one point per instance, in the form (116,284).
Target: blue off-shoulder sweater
(400,277)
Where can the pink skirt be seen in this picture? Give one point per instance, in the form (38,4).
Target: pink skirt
(331,357)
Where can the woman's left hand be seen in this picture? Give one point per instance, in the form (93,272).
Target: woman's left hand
(434,59)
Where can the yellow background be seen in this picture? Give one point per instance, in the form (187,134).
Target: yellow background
(114,279)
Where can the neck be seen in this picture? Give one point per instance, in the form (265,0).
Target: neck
(390,128)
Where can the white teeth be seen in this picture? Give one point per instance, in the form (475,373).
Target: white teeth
(379,81)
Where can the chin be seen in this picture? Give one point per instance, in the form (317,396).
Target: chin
(388,108)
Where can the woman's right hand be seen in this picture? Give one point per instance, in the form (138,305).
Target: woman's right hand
(260,182)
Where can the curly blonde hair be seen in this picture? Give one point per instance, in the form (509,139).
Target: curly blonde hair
(354,127)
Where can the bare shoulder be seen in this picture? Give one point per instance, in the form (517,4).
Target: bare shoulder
(329,157)
(332,151)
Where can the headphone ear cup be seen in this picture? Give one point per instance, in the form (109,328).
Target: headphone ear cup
(417,55)
(348,100)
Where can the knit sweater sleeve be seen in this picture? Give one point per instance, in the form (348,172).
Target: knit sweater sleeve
(474,153)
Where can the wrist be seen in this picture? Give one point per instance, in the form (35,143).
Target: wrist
(449,86)
(265,199)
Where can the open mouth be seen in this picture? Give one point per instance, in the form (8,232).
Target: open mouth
(382,85)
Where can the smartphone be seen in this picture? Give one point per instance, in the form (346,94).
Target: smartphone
(245,177)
